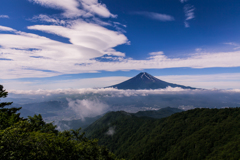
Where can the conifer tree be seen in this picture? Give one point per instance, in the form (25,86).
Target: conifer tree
(8,116)
(10,111)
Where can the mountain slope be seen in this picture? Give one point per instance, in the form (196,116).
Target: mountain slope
(118,116)
(146,81)
(195,134)
(77,123)
(161,113)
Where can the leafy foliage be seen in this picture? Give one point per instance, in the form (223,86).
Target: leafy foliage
(195,134)
(32,138)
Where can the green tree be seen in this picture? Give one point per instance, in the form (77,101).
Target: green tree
(33,139)
(8,116)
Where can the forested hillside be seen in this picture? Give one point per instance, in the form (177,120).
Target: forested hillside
(195,134)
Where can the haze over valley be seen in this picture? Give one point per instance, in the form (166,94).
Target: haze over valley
(75,104)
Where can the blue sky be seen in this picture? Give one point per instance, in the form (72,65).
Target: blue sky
(52,44)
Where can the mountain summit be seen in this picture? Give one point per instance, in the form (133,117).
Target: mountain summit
(146,81)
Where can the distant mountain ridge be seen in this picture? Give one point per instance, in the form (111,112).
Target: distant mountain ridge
(146,81)
(79,123)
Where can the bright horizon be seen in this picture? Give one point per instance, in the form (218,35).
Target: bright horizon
(50,44)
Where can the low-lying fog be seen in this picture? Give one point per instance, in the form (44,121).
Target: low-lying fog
(69,104)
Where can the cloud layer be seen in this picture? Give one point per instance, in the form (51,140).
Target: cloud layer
(112,92)
(29,55)
(90,102)
(90,45)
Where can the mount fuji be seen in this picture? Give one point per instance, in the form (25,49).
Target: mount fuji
(146,81)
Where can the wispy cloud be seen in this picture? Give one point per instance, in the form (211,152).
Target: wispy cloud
(4,16)
(183,1)
(236,46)
(77,8)
(185,108)
(156,16)
(46,18)
(198,49)
(189,14)
(189,11)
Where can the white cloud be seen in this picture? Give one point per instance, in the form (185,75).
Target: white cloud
(189,14)
(156,53)
(198,60)
(198,49)
(110,131)
(87,108)
(156,16)
(30,54)
(76,8)
(36,56)
(185,108)
(108,92)
(100,22)
(112,92)
(46,18)
(70,7)
(183,1)
(3,28)
(87,35)
(25,55)
(94,7)
(186,24)
(236,46)
(4,16)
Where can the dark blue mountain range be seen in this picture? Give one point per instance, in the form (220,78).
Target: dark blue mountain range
(146,81)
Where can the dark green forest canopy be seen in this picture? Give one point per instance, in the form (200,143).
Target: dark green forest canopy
(195,134)
(33,139)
